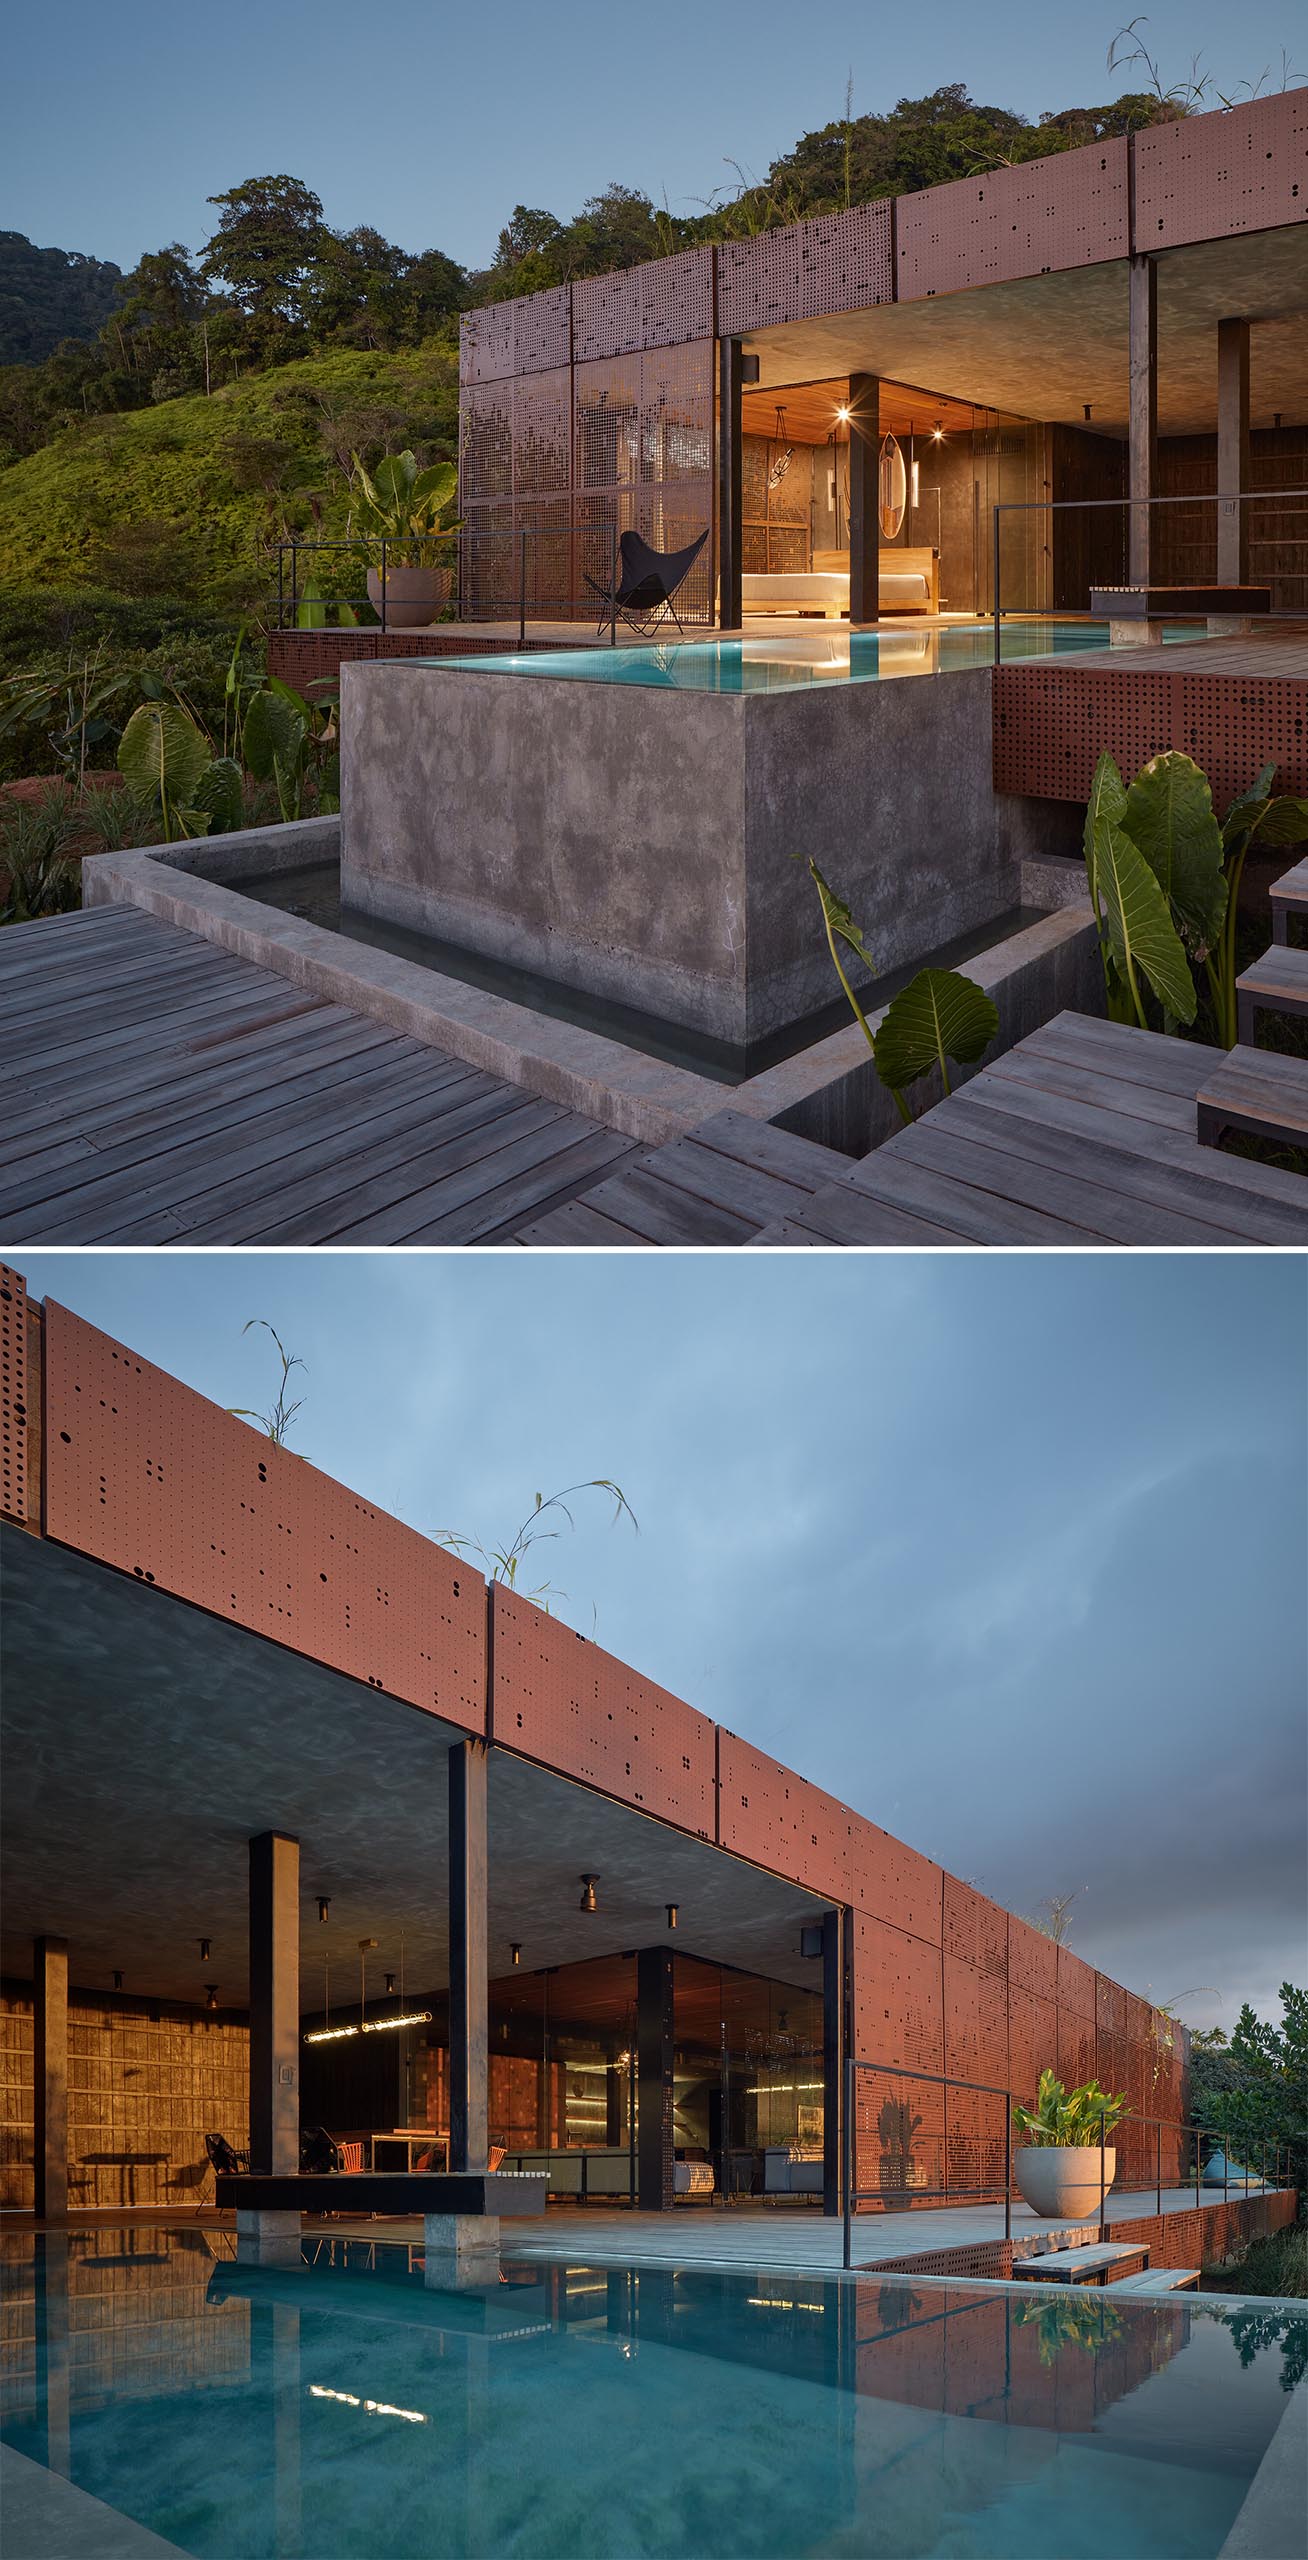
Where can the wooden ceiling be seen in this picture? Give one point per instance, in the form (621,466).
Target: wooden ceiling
(599,1998)
(811,411)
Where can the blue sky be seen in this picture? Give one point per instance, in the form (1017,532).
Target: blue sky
(1008,1552)
(430,119)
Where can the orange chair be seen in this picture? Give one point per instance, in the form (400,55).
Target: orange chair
(351,2158)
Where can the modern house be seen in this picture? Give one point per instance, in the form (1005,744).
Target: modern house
(304,1824)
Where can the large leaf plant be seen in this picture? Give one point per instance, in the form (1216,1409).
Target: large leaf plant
(940,1018)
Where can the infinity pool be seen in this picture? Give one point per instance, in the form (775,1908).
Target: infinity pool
(342,2412)
(783,664)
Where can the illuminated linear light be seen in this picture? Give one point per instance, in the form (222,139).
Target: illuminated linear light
(375,2408)
(369,2027)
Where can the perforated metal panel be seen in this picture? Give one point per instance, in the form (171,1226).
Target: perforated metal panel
(892,1882)
(542,330)
(564,1701)
(1110,2006)
(13,1394)
(607,316)
(542,432)
(768,1814)
(668,302)
(146,1475)
(1067,211)
(976,2024)
(1245,169)
(486,442)
(975,1928)
(898,1997)
(1076,1984)
(1051,726)
(833,262)
(1076,2048)
(486,343)
(1032,1960)
(1032,2043)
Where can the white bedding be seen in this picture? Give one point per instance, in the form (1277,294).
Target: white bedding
(692,2177)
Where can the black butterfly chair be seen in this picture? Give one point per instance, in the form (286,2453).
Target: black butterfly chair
(223,2160)
(646,582)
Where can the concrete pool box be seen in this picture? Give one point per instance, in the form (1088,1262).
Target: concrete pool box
(648,847)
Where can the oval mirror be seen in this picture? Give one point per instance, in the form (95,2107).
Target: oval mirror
(892,489)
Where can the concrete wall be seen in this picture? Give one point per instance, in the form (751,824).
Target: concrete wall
(649,847)
(144,2077)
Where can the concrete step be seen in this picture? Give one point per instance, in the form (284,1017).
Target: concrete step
(1093,2263)
(1158,2280)
(1289,897)
(1278,983)
(1257,1091)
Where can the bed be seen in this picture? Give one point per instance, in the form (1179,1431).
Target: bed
(908,582)
(693,2178)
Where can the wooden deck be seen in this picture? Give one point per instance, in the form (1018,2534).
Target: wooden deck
(1085,1133)
(158,1090)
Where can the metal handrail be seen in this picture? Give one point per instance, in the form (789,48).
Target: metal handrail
(853,2196)
(462,537)
(1065,506)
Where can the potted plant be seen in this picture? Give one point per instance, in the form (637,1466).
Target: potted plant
(402,506)
(1065,2164)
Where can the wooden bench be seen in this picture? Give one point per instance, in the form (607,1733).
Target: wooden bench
(1278,983)
(1092,2263)
(1138,613)
(1289,897)
(1156,2281)
(1258,1092)
(493,2192)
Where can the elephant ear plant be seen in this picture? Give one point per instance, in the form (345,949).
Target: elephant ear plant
(1164,879)
(173,775)
(1069,2119)
(939,1018)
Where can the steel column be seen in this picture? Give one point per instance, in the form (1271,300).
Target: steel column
(469,2119)
(731,504)
(275,2004)
(1232,452)
(833,2056)
(50,2062)
(1142,410)
(654,2031)
(864,523)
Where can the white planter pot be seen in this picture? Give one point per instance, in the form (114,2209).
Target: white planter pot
(414,597)
(1061,2180)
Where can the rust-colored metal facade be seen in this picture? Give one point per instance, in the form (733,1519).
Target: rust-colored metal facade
(1051,725)
(13,1394)
(1071,210)
(1208,177)
(149,1478)
(143,1474)
(833,262)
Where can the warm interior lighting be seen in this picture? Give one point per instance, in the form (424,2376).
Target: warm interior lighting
(672,1915)
(937,433)
(390,1982)
(588,1884)
(211,1995)
(515,1952)
(844,415)
(369,2027)
(205,1944)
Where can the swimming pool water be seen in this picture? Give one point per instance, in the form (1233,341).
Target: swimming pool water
(764,664)
(342,2412)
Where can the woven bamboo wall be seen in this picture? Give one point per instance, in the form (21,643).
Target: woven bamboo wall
(144,2079)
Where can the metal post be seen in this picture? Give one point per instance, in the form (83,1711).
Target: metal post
(281,586)
(469,2064)
(522,589)
(385,590)
(1158,2167)
(1233,458)
(631,2125)
(613,586)
(50,2044)
(730,495)
(864,518)
(1008,2164)
(847,2146)
(994,583)
(295,583)
(1197,2140)
(1103,2226)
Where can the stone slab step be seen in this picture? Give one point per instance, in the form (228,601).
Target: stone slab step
(1092,2264)
(1258,1091)
(1289,897)
(1278,983)
(1158,2280)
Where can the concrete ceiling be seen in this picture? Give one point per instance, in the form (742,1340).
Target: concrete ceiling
(145,1741)
(1044,347)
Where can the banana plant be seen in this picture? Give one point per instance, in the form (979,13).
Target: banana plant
(168,767)
(940,1018)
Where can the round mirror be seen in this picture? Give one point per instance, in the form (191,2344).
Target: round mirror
(892,489)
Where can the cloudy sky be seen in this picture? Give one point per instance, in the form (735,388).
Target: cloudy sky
(1008,1552)
(430,120)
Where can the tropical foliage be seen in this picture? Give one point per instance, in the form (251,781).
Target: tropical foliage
(1071,2118)
(1252,2094)
(938,1018)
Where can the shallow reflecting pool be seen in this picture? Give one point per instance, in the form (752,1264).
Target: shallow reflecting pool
(342,2412)
(831,654)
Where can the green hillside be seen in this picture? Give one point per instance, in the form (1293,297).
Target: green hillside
(183,498)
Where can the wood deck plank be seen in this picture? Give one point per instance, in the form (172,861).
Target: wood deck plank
(1259,1203)
(578,1222)
(1064,1178)
(346,1190)
(457,1193)
(660,1214)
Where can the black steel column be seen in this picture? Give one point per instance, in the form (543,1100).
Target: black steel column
(50,2042)
(833,2057)
(469,2133)
(731,519)
(1142,413)
(864,523)
(275,2004)
(1232,450)
(654,2064)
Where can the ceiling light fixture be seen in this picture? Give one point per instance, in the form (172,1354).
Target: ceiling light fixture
(672,1915)
(1086,412)
(324,1906)
(588,1884)
(205,1944)
(211,1995)
(938,433)
(515,1951)
(844,415)
(390,1982)
(118,1979)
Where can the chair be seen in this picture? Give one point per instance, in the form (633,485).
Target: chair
(320,2156)
(495,2156)
(647,581)
(351,2158)
(223,2160)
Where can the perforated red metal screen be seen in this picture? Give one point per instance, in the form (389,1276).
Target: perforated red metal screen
(1032,2043)
(834,262)
(564,1701)
(898,1996)
(768,1814)
(1032,1960)
(530,335)
(1245,169)
(1051,725)
(666,303)
(975,1928)
(13,1394)
(1067,211)
(146,1475)
(1076,1985)
(895,1883)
